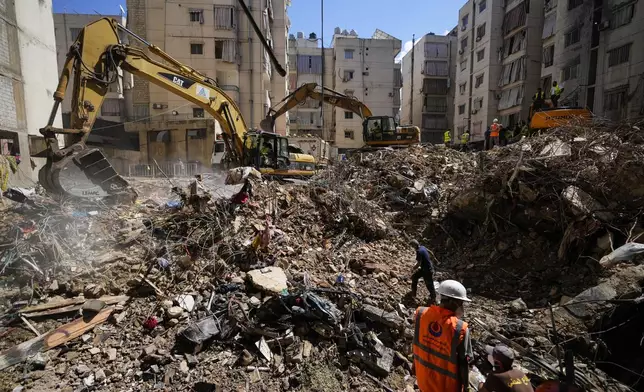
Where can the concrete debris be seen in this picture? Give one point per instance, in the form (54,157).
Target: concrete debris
(303,285)
(270,279)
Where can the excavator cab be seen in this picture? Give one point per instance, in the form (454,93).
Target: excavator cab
(380,131)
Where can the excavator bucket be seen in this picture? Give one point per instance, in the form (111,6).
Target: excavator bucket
(267,124)
(88,174)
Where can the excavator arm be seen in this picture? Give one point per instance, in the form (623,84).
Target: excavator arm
(313,91)
(94,59)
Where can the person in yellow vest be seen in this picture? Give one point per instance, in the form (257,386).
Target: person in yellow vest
(465,139)
(442,346)
(555,94)
(447,137)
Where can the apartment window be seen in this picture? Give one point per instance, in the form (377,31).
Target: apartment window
(226,50)
(615,100)
(572,4)
(572,37)
(435,86)
(464,44)
(348,135)
(464,65)
(74,32)
(196,48)
(480,31)
(435,104)
(348,115)
(480,55)
(619,55)
(224,17)
(348,54)
(548,56)
(197,113)
(348,75)
(571,70)
(478,103)
(197,134)
(515,18)
(482,5)
(479,80)
(461,88)
(196,15)
(622,16)
(465,20)
(461,109)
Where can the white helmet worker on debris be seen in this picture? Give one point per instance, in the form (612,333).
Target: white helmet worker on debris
(442,346)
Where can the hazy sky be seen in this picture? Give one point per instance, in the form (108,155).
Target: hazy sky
(401,18)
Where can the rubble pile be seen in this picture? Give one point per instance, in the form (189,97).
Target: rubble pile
(303,286)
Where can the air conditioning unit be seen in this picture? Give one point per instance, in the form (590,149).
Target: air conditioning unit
(474,111)
(460,51)
(391,94)
(478,38)
(159,106)
(422,72)
(605,25)
(463,28)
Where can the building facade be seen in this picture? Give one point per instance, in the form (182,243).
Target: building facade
(594,50)
(26,43)
(216,39)
(364,68)
(305,66)
(428,85)
(500,49)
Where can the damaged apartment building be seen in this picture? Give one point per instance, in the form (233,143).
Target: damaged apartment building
(216,39)
(429,71)
(26,86)
(499,63)
(363,68)
(595,50)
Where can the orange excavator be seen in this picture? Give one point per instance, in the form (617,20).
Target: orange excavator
(377,131)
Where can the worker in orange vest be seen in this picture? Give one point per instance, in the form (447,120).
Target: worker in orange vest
(442,346)
(495,128)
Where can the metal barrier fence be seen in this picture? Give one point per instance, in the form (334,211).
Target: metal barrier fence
(170,169)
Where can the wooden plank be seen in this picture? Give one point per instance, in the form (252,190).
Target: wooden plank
(51,339)
(67,305)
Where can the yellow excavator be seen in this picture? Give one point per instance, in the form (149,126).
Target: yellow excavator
(94,59)
(377,131)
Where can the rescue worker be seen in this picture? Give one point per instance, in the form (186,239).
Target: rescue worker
(465,138)
(486,143)
(423,269)
(525,130)
(538,100)
(555,94)
(442,346)
(495,128)
(447,137)
(503,377)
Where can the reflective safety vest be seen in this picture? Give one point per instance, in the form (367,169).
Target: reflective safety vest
(557,90)
(437,335)
(538,96)
(447,137)
(465,137)
(494,130)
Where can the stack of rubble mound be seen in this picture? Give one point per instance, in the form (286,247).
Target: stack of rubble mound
(302,287)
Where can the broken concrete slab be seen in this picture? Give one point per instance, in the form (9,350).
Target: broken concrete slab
(390,319)
(269,279)
(580,306)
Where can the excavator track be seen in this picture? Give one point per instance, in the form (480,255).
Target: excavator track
(85,174)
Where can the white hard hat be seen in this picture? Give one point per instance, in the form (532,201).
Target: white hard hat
(453,289)
(495,121)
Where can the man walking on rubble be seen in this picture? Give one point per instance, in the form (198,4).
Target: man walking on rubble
(423,269)
(442,346)
(503,377)
(495,129)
